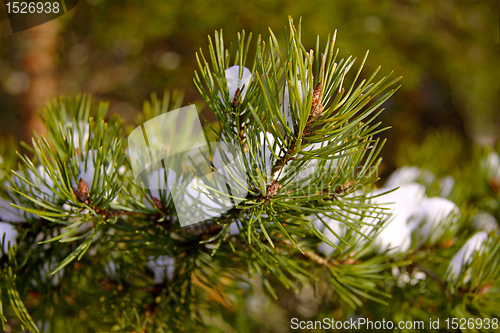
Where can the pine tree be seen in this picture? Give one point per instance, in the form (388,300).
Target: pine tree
(87,248)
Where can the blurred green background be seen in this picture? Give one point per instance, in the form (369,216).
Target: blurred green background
(122,50)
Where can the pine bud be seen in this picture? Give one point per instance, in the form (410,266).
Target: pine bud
(272,189)
(82,194)
(317,107)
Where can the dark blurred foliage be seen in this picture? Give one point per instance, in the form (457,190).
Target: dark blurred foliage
(122,50)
